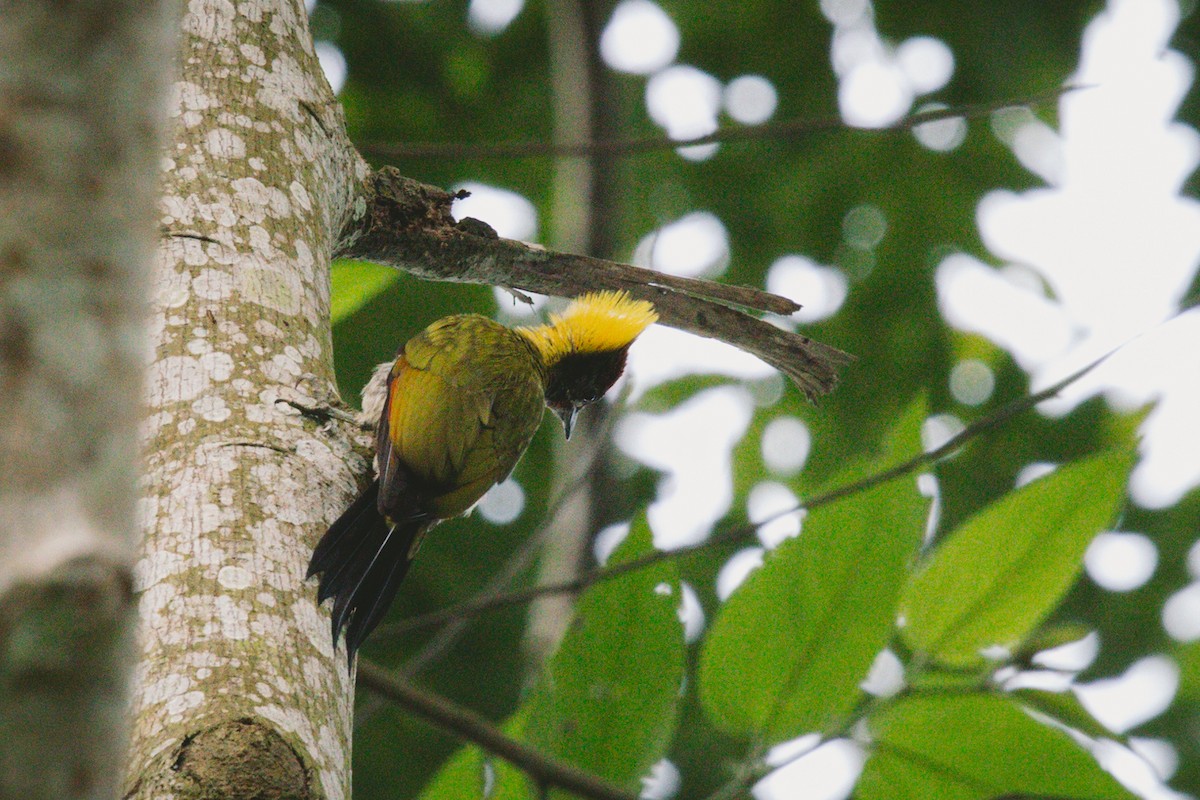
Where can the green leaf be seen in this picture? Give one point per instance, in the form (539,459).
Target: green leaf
(465,775)
(930,678)
(1188,657)
(474,773)
(610,695)
(1066,708)
(608,699)
(996,578)
(788,650)
(976,747)
(354,284)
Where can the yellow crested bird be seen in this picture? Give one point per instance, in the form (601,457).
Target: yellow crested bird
(460,404)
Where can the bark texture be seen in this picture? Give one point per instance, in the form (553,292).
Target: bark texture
(81,88)
(238,689)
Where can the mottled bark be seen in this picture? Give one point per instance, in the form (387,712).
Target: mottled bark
(239,693)
(81,123)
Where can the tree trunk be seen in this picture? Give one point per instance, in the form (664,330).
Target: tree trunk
(238,691)
(81,93)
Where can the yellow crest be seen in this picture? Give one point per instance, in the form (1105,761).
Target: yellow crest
(597,322)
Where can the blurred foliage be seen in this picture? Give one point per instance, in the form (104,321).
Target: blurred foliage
(417,73)
(787,652)
(974,748)
(609,698)
(998,576)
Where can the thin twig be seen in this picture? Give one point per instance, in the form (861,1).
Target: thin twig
(478,606)
(782,130)
(468,725)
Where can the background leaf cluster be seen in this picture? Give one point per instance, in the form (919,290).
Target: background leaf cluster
(417,73)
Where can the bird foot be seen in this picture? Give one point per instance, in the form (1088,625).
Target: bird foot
(321,409)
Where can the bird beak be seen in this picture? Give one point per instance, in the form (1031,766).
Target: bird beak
(567,416)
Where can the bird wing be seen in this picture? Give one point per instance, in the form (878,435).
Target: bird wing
(463,401)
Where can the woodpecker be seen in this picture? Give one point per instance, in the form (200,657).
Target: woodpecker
(456,410)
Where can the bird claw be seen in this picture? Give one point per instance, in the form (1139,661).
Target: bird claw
(320,413)
(320,410)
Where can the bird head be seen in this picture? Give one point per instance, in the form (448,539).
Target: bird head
(585,346)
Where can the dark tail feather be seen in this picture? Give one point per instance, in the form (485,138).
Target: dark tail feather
(352,531)
(380,585)
(362,559)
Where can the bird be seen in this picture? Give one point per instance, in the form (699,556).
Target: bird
(455,411)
